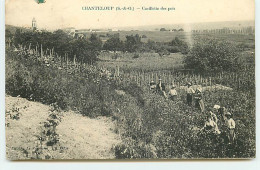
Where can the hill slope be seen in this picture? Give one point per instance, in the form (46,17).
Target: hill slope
(79,137)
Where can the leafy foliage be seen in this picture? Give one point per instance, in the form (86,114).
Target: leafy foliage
(212,56)
(114,44)
(86,50)
(132,43)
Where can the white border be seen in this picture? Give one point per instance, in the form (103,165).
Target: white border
(184,165)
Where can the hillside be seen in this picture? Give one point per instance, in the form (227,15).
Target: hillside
(79,137)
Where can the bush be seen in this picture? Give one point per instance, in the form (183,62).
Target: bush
(136,56)
(35,81)
(212,56)
(177,45)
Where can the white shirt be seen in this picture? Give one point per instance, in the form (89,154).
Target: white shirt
(190,90)
(213,125)
(214,117)
(231,123)
(173,92)
(210,123)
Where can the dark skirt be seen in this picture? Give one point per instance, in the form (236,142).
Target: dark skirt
(200,105)
(189,99)
(174,97)
(231,135)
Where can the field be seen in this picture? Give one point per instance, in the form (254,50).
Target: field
(146,62)
(166,36)
(152,61)
(147,124)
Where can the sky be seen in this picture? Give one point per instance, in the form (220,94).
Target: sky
(55,14)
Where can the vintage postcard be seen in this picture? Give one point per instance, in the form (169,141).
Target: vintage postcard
(135,79)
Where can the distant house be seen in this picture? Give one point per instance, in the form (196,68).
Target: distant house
(114,29)
(99,30)
(70,31)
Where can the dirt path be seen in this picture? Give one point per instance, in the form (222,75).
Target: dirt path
(79,137)
(21,133)
(85,138)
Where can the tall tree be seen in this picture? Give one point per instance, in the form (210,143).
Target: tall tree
(133,43)
(114,44)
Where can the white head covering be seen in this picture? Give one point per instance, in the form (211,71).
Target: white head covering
(199,89)
(216,106)
(228,114)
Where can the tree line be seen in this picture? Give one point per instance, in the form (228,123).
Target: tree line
(205,56)
(87,49)
(133,43)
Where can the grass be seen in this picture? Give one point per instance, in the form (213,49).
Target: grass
(166,129)
(147,62)
(158,36)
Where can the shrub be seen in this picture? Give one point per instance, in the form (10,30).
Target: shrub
(212,56)
(35,81)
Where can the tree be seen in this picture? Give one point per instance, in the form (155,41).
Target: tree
(17,37)
(8,34)
(60,41)
(178,46)
(212,56)
(85,50)
(162,51)
(114,44)
(133,43)
(95,42)
(163,29)
(8,37)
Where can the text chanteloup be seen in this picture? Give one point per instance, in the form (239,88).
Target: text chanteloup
(97,8)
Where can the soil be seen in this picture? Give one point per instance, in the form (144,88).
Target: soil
(78,137)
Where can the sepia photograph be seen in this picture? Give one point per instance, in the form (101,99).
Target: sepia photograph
(130,80)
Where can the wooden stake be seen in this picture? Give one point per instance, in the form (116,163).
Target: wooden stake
(41,51)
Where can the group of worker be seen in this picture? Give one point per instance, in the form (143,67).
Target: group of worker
(224,119)
(160,88)
(172,94)
(213,121)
